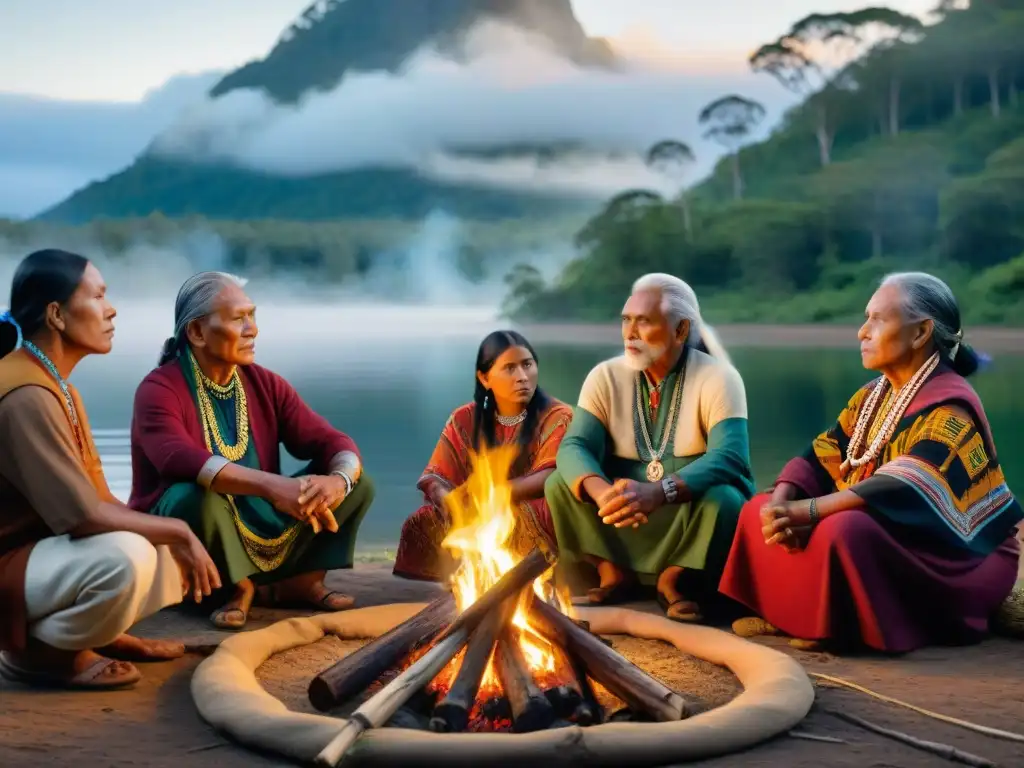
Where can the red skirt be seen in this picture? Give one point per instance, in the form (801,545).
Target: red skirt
(855,581)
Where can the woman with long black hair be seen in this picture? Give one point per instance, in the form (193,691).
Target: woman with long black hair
(77,567)
(508,408)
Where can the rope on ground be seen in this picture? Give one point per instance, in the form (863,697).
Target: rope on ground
(994,732)
(932,747)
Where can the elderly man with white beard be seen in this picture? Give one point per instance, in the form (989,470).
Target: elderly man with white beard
(655,467)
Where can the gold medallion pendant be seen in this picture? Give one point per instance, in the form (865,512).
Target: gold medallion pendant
(655,471)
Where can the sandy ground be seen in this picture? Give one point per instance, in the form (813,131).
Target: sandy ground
(808,336)
(155,724)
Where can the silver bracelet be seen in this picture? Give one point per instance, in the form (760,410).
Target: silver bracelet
(344,476)
(812,513)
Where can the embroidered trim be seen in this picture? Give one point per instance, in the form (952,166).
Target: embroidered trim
(966,523)
(266,554)
(973,456)
(428,476)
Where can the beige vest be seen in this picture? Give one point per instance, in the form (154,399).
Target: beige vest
(712,391)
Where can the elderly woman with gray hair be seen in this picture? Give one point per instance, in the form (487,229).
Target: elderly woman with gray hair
(895,529)
(205,437)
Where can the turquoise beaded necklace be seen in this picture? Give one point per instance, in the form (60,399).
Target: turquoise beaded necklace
(48,364)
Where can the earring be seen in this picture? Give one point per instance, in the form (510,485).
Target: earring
(485,402)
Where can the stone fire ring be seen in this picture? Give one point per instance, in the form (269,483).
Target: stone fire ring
(777,695)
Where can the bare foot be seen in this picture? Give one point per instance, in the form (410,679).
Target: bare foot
(130,648)
(235,612)
(617,585)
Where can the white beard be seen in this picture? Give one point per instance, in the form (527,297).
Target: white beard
(644,356)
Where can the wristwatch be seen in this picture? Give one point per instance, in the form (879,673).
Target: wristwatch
(668,485)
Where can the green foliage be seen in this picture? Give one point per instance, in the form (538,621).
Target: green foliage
(219,192)
(908,155)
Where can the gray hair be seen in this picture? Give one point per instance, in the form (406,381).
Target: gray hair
(194,302)
(926,297)
(678,303)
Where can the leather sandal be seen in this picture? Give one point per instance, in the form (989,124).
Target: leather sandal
(91,678)
(682,610)
(221,620)
(754,626)
(268,595)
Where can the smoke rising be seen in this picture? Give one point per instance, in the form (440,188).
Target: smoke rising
(509,88)
(435,266)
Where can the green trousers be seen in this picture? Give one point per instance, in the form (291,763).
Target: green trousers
(696,535)
(211,518)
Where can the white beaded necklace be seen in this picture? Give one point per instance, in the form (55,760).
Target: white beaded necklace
(868,413)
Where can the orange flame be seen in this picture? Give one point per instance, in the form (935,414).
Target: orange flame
(483,521)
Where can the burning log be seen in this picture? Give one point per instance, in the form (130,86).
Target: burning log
(351,676)
(565,695)
(380,708)
(588,711)
(377,710)
(616,673)
(531,711)
(452,713)
(512,583)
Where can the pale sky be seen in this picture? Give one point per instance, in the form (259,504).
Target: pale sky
(117,50)
(86,85)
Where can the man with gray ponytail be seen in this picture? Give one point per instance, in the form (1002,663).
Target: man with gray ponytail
(205,449)
(895,528)
(655,467)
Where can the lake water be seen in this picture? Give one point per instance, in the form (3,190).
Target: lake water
(390,377)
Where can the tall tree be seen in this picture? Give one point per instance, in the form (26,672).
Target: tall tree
(673,158)
(814,57)
(729,121)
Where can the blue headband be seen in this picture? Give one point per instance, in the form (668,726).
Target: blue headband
(7,317)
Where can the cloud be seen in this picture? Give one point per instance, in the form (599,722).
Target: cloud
(509,89)
(50,148)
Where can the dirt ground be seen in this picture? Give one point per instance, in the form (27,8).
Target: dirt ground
(156,724)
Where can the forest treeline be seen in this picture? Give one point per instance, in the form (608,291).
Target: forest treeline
(906,151)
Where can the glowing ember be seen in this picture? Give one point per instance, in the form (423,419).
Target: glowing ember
(483,521)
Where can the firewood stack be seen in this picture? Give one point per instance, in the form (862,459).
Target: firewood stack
(466,645)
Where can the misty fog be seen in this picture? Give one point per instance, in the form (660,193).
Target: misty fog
(510,89)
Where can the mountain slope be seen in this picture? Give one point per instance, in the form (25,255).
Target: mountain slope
(339,36)
(332,39)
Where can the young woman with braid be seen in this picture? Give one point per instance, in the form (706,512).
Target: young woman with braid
(895,529)
(508,408)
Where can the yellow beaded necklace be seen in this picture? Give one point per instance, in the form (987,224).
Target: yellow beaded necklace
(211,433)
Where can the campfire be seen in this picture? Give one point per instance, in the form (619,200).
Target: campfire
(501,651)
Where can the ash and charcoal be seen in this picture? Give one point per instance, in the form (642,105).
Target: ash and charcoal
(494,714)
